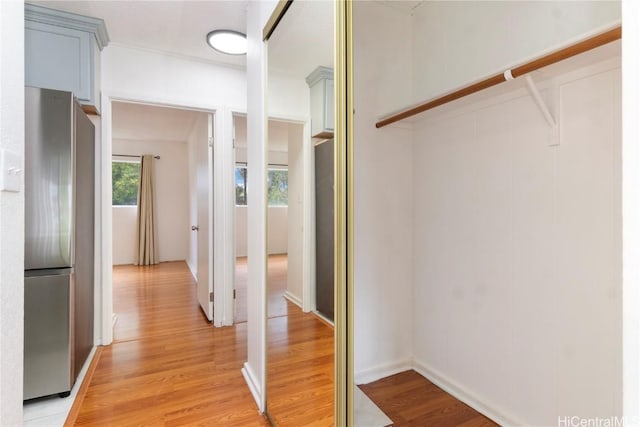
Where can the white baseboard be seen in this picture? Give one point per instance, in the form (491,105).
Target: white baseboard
(366,376)
(252,383)
(459,392)
(294,299)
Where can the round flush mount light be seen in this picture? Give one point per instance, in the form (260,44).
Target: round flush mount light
(228,41)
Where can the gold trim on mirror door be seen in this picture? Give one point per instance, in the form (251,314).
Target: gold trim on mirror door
(344,384)
(274,19)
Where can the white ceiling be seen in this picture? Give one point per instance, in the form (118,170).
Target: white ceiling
(303,39)
(176,27)
(140,122)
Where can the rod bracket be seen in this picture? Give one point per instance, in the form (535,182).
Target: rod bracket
(554,138)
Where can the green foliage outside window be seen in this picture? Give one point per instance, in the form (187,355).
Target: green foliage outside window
(241,185)
(125,177)
(277,187)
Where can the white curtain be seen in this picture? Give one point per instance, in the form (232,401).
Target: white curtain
(146,225)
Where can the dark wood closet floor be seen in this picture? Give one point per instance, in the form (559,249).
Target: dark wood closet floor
(409,399)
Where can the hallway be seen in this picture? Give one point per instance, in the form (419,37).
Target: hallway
(167,365)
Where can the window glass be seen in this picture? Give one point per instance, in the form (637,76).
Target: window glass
(241,185)
(125,177)
(277,187)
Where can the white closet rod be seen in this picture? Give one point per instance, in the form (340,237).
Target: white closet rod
(552,58)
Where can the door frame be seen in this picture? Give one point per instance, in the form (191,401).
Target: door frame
(308,221)
(104,224)
(308,209)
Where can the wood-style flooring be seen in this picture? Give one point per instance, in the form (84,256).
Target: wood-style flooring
(168,365)
(276,287)
(300,369)
(409,399)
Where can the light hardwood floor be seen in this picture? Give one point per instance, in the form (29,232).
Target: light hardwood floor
(276,287)
(299,369)
(167,366)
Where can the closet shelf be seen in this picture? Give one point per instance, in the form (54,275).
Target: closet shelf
(551,58)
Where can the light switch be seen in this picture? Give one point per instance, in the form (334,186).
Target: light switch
(11,171)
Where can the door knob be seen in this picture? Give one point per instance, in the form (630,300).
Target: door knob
(194,228)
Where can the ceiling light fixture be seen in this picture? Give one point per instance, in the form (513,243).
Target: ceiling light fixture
(228,41)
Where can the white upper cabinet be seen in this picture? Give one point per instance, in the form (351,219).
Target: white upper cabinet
(320,83)
(62,51)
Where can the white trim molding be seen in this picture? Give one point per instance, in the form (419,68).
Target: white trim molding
(253,384)
(459,392)
(375,373)
(294,299)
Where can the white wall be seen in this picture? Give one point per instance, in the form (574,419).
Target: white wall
(172,198)
(631,209)
(144,74)
(277,230)
(518,253)
(288,98)
(295,248)
(458,42)
(124,234)
(383,259)
(11,214)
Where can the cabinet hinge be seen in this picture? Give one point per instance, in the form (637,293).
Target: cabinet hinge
(211,296)
(234,294)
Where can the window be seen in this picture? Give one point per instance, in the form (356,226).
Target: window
(125,177)
(277,186)
(241,186)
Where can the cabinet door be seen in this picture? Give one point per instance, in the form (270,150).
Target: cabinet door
(59,58)
(328,105)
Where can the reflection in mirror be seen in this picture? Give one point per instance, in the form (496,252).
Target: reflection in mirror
(300,278)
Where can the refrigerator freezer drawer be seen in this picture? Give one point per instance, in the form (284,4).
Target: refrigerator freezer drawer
(47,349)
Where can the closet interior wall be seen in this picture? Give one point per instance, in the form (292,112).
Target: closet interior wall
(486,258)
(383,173)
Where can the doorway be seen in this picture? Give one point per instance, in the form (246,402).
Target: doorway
(178,140)
(285,216)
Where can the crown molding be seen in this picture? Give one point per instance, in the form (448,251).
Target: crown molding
(320,73)
(45,15)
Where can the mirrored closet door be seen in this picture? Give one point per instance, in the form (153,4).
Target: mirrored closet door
(300,278)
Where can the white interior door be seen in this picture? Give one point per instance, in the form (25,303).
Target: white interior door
(204,173)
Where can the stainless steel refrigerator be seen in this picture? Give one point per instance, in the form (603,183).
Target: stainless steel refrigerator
(59,241)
